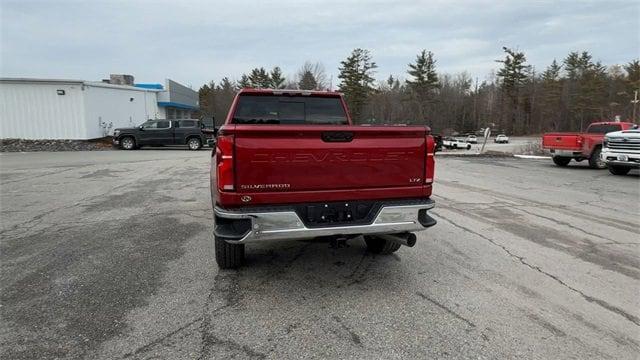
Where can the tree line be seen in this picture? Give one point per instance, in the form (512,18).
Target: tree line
(566,96)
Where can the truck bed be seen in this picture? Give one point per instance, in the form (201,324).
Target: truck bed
(562,141)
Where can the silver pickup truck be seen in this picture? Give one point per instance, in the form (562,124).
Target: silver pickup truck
(621,151)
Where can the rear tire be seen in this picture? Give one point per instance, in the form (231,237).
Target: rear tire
(194,144)
(618,170)
(380,246)
(228,256)
(595,162)
(561,161)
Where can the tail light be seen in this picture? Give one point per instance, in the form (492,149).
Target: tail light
(579,140)
(224,160)
(430,163)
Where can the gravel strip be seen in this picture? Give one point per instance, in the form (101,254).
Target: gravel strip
(21,145)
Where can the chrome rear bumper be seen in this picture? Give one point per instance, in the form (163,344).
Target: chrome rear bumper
(287,225)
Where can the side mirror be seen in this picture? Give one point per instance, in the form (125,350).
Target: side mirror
(635,126)
(141,127)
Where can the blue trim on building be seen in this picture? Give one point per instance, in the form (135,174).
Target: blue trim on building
(149,86)
(176,105)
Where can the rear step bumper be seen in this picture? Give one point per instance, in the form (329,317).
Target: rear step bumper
(243,226)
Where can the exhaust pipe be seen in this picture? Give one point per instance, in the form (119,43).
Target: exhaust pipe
(408,239)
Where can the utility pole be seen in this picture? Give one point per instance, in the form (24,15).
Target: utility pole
(635,105)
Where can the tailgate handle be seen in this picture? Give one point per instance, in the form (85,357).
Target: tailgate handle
(337,136)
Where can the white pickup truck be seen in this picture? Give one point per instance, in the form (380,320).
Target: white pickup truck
(621,151)
(453,143)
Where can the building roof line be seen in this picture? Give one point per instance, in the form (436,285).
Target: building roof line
(78,82)
(67,81)
(176,105)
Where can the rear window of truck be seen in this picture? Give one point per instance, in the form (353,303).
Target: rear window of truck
(603,128)
(289,110)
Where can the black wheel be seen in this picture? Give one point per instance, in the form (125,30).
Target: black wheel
(128,143)
(561,161)
(618,170)
(468,147)
(228,256)
(194,144)
(455,146)
(595,162)
(380,246)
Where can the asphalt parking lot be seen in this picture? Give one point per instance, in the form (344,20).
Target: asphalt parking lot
(109,255)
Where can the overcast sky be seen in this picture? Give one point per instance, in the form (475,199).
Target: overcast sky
(194,42)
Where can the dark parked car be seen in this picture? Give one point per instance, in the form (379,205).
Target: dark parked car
(161,132)
(438,141)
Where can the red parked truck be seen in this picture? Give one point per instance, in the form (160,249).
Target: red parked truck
(290,165)
(581,146)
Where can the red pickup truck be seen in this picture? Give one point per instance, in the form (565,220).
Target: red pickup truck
(290,165)
(581,146)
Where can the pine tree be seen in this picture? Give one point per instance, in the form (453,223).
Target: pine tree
(424,81)
(579,68)
(552,73)
(227,85)
(206,98)
(307,81)
(311,76)
(244,82)
(259,78)
(551,98)
(576,64)
(633,76)
(277,80)
(514,69)
(390,81)
(594,96)
(423,71)
(225,91)
(513,75)
(356,74)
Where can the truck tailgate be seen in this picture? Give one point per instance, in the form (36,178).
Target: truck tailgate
(562,141)
(328,160)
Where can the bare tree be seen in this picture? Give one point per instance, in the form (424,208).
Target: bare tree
(312,74)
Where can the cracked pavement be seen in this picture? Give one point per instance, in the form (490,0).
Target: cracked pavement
(109,255)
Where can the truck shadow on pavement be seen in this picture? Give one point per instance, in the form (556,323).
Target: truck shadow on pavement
(585,167)
(304,261)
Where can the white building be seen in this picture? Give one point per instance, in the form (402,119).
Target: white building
(77,109)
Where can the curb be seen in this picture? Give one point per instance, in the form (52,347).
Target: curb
(477,155)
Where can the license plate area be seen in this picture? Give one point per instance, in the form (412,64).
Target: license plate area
(338,213)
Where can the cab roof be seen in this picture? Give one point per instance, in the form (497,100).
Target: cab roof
(252,91)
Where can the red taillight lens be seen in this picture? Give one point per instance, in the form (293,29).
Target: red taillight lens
(224,160)
(430,162)
(579,140)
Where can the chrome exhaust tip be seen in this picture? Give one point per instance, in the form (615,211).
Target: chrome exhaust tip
(408,239)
